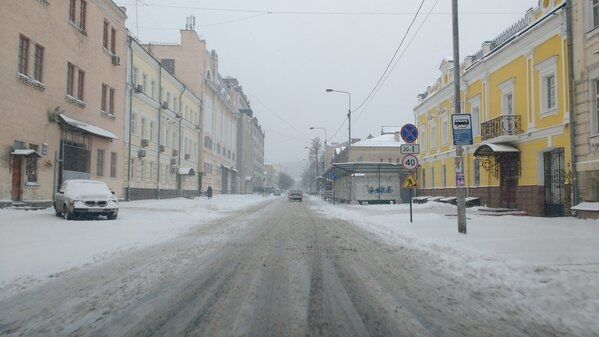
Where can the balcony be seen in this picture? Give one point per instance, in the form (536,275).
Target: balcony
(506,127)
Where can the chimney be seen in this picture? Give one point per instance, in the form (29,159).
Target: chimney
(487,47)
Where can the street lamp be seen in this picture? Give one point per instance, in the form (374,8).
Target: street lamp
(349,129)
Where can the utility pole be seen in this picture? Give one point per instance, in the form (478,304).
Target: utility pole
(459,150)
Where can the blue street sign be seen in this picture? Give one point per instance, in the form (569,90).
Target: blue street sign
(409,133)
(334,176)
(462,129)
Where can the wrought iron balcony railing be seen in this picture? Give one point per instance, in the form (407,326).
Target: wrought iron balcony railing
(506,125)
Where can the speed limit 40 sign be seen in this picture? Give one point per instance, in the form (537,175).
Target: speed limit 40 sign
(410,162)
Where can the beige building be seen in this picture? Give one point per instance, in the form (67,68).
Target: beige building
(63,97)
(379,149)
(198,68)
(163,125)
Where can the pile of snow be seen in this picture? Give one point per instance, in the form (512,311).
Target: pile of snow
(548,265)
(37,244)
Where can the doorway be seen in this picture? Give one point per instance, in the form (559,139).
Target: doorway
(17,176)
(555,182)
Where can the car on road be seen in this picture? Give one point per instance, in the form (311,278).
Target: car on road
(84,197)
(277,193)
(295,195)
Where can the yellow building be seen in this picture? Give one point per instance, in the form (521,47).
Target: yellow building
(516,89)
(163,130)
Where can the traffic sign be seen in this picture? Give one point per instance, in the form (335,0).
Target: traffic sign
(462,129)
(409,133)
(410,162)
(409,148)
(411,181)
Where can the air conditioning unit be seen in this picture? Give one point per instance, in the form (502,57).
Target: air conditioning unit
(165,105)
(145,142)
(174,169)
(161,148)
(116,60)
(141,153)
(173,161)
(139,88)
(175,153)
(187,156)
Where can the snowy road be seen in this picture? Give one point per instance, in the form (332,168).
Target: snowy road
(277,269)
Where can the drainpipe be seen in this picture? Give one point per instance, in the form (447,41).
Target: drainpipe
(131,89)
(575,197)
(159,128)
(180,187)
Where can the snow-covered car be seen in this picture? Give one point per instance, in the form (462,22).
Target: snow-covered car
(295,195)
(82,197)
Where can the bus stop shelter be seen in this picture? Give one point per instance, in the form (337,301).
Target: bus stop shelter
(372,182)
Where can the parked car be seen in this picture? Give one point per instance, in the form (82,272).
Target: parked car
(277,193)
(295,195)
(82,197)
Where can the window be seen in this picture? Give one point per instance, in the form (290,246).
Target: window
(133,122)
(476,172)
(433,135)
(70,78)
(508,103)
(475,120)
(596,124)
(104,97)
(143,169)
(111,101)
(151,130)
(72,10)
(168,136)
(175,105)
(82,14)
(169,65)
(144,82)
(23,54)
(432,177)
(113,164)
(143,126)
(550,94)
(153,93)
(100,163)
(168,98)
(444,177)
(31,166)
(113,40)
(81,84)
(38,65)
(444,133)
(595,13)
(105,35)
(548,78)
(134,75)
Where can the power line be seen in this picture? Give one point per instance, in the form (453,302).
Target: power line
(400,56)
(312,12)
(276,114)
(392,58)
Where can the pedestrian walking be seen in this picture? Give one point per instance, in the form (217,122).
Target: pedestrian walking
(209,192)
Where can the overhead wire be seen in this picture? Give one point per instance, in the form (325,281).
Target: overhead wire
(359,113)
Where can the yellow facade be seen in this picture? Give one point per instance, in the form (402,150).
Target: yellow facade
(516,87)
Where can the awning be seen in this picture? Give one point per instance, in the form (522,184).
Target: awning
(486,150)
(25,152)
(188,171)
(88,128)
(230,168)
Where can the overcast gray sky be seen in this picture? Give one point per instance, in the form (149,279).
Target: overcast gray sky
(285,61)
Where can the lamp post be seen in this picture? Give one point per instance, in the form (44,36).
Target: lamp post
(349,130)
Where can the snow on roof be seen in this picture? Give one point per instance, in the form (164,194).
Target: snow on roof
(24,152)
(386,140)
(96,130)
(587,206)
(186,171)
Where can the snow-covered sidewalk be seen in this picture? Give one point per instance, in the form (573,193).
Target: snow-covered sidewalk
(548,265)
(35,245)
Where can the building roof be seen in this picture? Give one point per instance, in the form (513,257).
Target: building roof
(386,140)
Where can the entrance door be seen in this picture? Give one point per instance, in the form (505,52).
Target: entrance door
(508,179)
(225,180)
(555,182)
(17,174)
